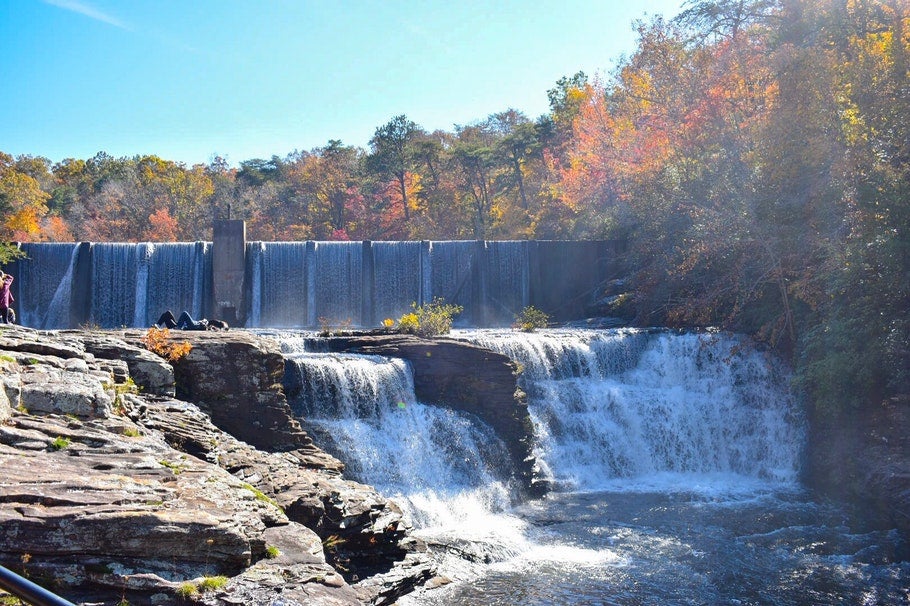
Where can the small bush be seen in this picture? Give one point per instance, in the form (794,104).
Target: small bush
(272,552)
(60,443)
(408,323)
(212,583)
(187,590)
(530,319)
(176,468)
(430,319)
(158,341)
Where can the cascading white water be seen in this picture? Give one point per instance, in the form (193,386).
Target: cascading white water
(666,408)
(439,464)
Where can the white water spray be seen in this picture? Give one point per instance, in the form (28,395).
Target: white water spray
(445,468)
(619,409)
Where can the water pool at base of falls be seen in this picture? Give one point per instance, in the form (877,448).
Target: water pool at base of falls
(675,461)
(630,548)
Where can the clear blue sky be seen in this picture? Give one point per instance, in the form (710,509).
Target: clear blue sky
(191,79)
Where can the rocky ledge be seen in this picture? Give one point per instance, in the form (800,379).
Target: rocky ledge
(115,491)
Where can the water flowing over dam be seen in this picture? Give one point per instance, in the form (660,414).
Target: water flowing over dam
(674,459)
(306,284)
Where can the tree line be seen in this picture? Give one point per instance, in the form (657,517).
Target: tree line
(491,179)
(754,154)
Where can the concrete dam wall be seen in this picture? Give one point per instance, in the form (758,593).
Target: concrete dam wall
(304,284)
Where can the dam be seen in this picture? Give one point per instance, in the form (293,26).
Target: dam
(310,284)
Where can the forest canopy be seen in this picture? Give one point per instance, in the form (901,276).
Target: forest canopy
(754,154)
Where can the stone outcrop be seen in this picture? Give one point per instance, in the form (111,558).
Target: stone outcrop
(464,377)
(112,489)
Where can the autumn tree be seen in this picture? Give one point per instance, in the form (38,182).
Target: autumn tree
(474,157)
(22,202)
(392,155)
(325,193)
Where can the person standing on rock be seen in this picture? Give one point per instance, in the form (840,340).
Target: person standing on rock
(7,315)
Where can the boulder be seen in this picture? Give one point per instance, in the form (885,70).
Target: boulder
(150,372)
(235,378)
(77,496)
(46,390)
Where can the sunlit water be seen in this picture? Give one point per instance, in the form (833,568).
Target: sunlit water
(675,461)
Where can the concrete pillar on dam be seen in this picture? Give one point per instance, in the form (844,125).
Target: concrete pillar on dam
(228,269)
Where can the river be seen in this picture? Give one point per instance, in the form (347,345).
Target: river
(675,465)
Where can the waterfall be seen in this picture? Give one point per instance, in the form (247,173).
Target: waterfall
(338,292)
(309,284)
(397,276)
(612,409)
(133,283)
(654,407)
(359,284)
(437,463)
(144,252)
(451,275)
(176,280)
(279,284)
(114,278)
(45,284)
(505,283)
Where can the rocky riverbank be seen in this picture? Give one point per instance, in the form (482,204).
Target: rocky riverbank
(127,478)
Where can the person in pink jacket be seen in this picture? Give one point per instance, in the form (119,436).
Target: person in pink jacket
(7,315)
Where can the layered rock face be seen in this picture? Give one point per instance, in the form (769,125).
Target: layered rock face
(114,489)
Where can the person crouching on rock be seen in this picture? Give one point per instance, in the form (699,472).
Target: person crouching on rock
(7,315)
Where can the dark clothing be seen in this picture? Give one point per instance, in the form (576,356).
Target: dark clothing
(184,322)
(167,320)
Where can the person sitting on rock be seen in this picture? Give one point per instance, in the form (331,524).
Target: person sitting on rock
(7,315)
